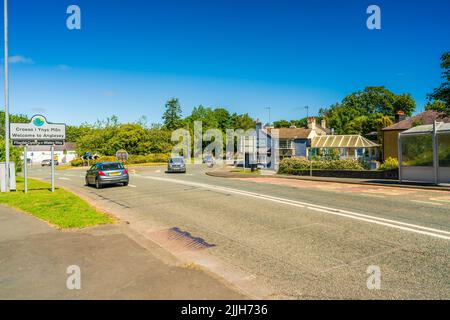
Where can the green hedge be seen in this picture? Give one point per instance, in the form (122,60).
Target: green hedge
(290,165)
(14,155)
(132,159)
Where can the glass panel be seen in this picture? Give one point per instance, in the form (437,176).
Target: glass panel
(444,149)
(417,151)
(111,166)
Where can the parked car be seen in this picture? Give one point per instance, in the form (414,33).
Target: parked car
(48,162)
(176,164)
(105,173)
(208,160)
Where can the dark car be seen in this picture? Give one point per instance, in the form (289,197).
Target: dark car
(48,162)
(105,173)
(176,164)
(208,160)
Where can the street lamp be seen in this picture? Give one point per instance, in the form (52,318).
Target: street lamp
(270,109)
(6,99)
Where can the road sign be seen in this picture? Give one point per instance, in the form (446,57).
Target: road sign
(38,132)
(122,155)
(37,143)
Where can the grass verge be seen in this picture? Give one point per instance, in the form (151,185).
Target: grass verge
(62,208)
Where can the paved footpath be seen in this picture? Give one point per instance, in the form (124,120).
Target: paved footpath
(287,239)
(114,263)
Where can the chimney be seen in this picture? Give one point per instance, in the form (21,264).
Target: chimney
(323,123)
(293,126)
(312,123)
(400,116)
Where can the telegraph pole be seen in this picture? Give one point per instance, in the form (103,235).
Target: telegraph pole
(6,98)
(307,111)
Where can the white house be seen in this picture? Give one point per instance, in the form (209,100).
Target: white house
(64,154)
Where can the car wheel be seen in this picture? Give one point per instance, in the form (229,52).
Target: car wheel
(125,184)
(98,185)
(86,181)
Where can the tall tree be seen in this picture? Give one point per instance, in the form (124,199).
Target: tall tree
(443,92)
(363,111)
(172,114)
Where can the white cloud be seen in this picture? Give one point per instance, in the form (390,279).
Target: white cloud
(20,59)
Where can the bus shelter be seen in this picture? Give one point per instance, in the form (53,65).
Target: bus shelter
(424,154)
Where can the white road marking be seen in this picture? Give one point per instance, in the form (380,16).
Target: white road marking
(442,234)
(62,178)
(427,202)
(158,171)
(132,186)
(69,175)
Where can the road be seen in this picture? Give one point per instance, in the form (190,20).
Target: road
(289,239)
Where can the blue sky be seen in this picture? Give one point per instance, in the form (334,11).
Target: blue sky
(132,56)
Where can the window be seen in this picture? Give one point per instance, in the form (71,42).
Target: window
(111,166)
(444,149)
(417,151)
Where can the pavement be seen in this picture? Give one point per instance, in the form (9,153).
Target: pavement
(226,173)
(114,262)
(276,238)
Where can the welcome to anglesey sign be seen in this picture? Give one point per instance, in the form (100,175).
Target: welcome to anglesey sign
(38,132)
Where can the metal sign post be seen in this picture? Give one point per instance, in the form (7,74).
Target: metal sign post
(7,164)
(25,169)
(52,156)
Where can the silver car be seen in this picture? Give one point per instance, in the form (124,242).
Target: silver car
(176,164)
(104,173)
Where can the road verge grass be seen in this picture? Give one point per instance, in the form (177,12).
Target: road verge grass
(62,209)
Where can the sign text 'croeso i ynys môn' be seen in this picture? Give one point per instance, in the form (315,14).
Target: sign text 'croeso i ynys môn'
(38,132)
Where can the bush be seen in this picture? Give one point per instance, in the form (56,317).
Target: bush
(76,163)
(389,164)
(14,155)
(290,165)
(132,159)
(150,158)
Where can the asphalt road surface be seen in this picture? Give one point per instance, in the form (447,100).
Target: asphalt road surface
(289,239)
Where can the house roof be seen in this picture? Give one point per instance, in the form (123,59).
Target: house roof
(68,146)
(342,141)
(291,133)
(440,127)
(427,117)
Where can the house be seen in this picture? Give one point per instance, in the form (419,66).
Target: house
(294,142)
(390,134)
(344,147)
(64,154)
(267,146)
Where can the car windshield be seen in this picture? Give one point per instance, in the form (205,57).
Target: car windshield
(177,160)
(111,166)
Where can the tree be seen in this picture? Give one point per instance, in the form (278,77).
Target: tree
(437,105)
(223,118)
(442,93)
(172,114)
(13,118)
(205,115)
(362,112)
(281,124)
(242,121)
